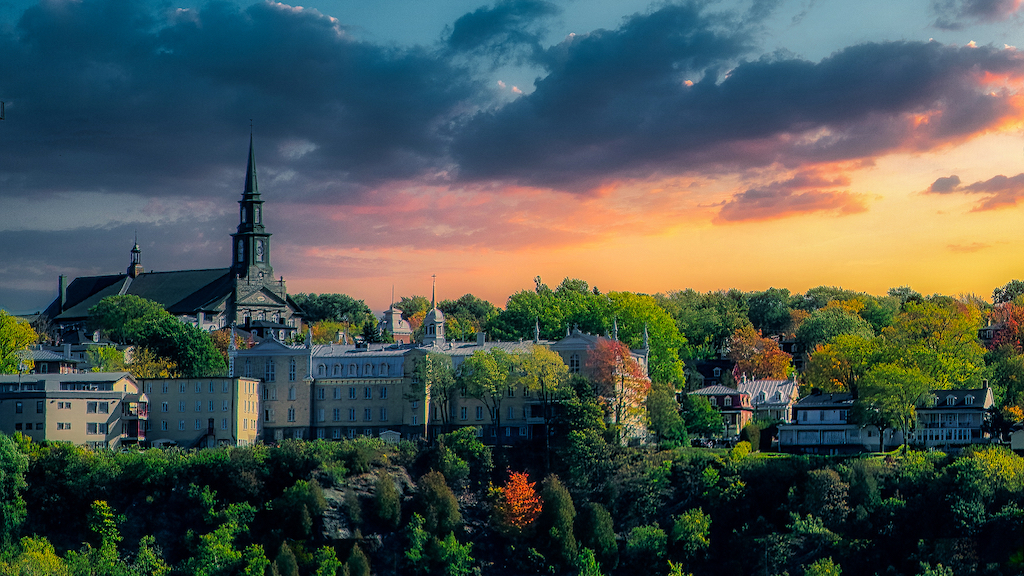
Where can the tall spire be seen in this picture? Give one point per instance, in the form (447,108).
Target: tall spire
(250,171)
(433,291)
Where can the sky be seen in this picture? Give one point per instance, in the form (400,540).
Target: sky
(647,147)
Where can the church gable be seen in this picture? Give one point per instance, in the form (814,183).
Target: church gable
(264,297)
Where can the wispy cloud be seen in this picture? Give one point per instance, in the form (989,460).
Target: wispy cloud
(999,191)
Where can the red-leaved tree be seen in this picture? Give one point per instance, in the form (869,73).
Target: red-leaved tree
(620,381)
(518,506)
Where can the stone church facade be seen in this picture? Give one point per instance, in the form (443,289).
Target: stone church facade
(245,295)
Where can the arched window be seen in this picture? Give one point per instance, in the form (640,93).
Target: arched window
(727,401)
(950,400)
(384,370)
(761,397)
(351,369)
(367,370)
(320,370)
(337,369)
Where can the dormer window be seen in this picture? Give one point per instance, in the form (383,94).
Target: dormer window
(969,400)
(717,372)
(761,397)
(713,400)
(727,401)
(950,400)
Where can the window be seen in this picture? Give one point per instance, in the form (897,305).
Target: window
(291,392)
(224,406)
(367,370)
(508,431)
(320,433)
(266,393)
(181,388)
(337,393)
(352,393)
(211,406)
(320,370)
(224,387)
(245,424)
(727,401)
(18,425)
(336,433)
(479,412)
(337,370)
(803,415)
(199,424)
(383,392)
(199,387)
(291,370)
(320,415)
(368,432)
(181,424)
(163,406)
(821,415)
(843,415)
(383,414)
(39,407)
(91,428)
(337,415)
(969,400)
(717,372)
(223,423)
(510,392)
(199,405)
(463,413)
(181,406)
(384,371)
(522,431)
(163,387)
(270,371)
(90,407)
(350,433)
(511,412)
(211,386)
(415,419)
(352,414)
(713,400)
(351,369)
(268,415)
(273,393)
(368,393)
(367,414)
(291,414)
(20,408)
(320,394)
(950,400)
(574,363)
(248,369)
(163,425)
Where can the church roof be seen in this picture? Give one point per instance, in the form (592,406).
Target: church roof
(179,292)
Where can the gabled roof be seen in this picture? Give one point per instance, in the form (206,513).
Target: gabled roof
(179,292)
(717,390)
(823,399)
(37,355)
(982,399)
(787,388)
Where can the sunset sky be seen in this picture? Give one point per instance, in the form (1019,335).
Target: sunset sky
(641,147)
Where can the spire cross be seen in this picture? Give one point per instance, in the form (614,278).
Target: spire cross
(433,290)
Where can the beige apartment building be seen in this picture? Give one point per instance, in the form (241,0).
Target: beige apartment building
(96,409)
(203,412)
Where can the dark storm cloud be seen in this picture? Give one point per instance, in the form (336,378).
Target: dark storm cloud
(956,14)
(502,30)
(999,191)
(654,97)
(110,95)
(802,194)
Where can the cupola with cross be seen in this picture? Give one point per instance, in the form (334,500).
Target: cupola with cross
(251,243)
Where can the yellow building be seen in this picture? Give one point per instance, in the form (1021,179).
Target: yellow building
(96,409)
(203,412)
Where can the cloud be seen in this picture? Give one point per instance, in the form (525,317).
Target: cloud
(502,30)
(999,191)
(617,104)
(968,248)
(956,14)
(802,194)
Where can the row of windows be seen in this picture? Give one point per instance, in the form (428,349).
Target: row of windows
(224,406)
(270,370)
(337,433)
(368,370)
(19,407)
(321,393)
(337,415)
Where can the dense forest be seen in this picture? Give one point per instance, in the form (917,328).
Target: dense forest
(457,507)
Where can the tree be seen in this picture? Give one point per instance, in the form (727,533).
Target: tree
(546,376)
(299,507)
(13,465)
(823,567)
(358,563)
(637,314)
(387,505)
(756,356)
(839,365)
(597,533)
(706,320)
(36,556)
(15,335)
(146,364)
(939,337)
(105,359)
(663,412)
(889,395)
(121,317)
(222,341)
(437,503)
(518,506)
(619,379)
(556,522)
(646,547)
(453,558)
(1008,292)
(769,311)
(588,564)
(487,376)
(700,417)
(335,307)
(1011,316)
(691,533)
(838,317)
(434,384)
(149,562)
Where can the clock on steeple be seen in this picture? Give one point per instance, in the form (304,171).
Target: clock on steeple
(251,242)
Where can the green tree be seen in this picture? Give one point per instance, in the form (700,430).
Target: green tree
(556,523)
(663,412)
(705,320)
(889,395)
(387,505)
(1008,292)
(453,558)
(105,359)
(839,365)
(545,375)
(286,563)
(691,533)
(826,323)
(597,532)
(437,503)
(939,338)
(146,364)
(15,335)
(700,417)
(188,346)
(35,556)
(121,317)
(299,507)
(769,311)
(646,547)
(823,567)
(588,564)
(358,563)
(149,562)
(326,560)
(334,307)
(13,465)
(435,384)
(487,376)
(636,314)
(254,561)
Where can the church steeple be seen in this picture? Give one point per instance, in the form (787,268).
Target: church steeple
(251,243)
(135,268)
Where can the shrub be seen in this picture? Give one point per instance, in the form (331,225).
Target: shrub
(386,505)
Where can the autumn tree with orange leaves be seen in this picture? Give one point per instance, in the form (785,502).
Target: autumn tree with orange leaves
(518,506)
(757,357)
(1011,333)
(620,381)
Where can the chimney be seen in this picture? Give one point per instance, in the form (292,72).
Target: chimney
(96,336)
(480,338)
(62,289)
